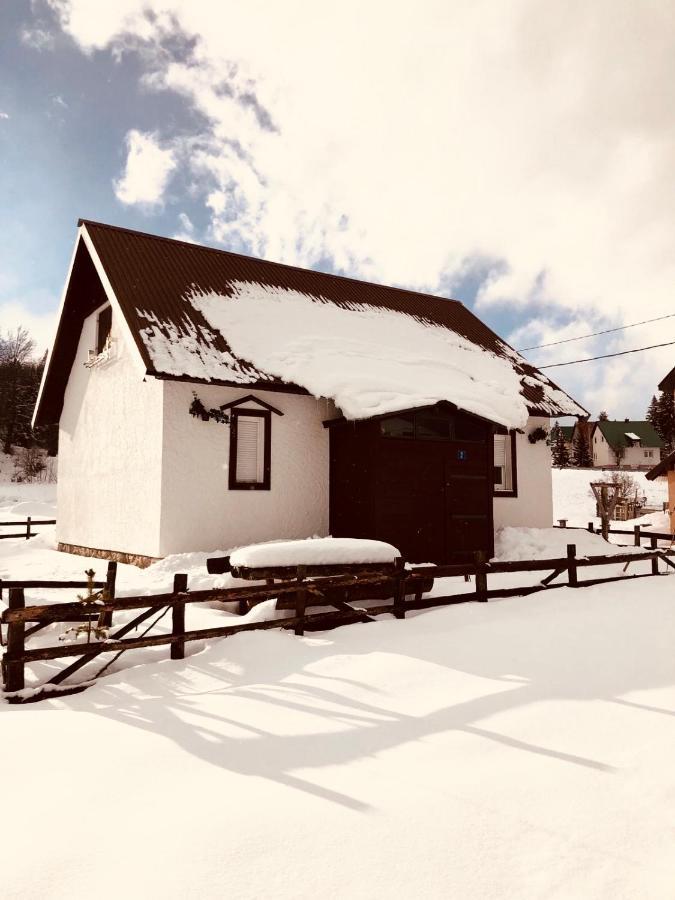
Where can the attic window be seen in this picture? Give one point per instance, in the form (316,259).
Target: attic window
(103,328)
(250,450)
(505,473)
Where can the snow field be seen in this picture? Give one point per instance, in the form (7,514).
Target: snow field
(573,500)
(516,749)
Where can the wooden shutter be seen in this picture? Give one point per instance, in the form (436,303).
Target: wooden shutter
(250,449)
(503,461)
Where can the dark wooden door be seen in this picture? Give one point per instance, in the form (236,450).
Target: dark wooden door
(409,499)
(468,510)
(423,482)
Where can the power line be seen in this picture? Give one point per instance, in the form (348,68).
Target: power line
(573,362)
(596,333)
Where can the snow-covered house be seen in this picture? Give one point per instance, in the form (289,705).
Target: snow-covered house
(625,443)
(207,399)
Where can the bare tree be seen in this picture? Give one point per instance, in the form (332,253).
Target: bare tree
(17,378)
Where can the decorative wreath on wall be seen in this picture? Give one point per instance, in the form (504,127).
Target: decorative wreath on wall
(199,411)
(537,434)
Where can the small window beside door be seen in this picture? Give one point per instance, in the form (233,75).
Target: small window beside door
(250,450)
(505,472)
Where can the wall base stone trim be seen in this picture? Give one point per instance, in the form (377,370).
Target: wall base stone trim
(132,559)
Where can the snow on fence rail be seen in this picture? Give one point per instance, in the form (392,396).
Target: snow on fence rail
(26,525)
(336,592)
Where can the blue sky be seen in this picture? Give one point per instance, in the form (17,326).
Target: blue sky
(490,155)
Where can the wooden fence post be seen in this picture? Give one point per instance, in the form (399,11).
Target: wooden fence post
(572,565)
(28,521)
(653,543)
(399,589)
(300,601)
(481,576)
(105,619)
(178,617)
(636,535)
(12,662)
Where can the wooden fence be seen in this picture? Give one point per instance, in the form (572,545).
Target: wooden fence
(25,527)
(638,532)
(300,596)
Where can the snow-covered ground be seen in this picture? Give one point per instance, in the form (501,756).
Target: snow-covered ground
(573,497)
(516,749)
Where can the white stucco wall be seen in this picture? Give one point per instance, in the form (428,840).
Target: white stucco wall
(533,507)
(110,441)
(199,512)
(603,455)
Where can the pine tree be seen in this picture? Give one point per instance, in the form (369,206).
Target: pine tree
(561,457)
(665,420)
(652,413)
(619,450)
(581,454)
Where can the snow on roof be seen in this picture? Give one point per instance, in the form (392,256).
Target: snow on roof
(632,435)
(156,282)
(370,361)
(314,551)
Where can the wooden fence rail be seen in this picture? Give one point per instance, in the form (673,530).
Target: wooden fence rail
(26,533)
(299,597)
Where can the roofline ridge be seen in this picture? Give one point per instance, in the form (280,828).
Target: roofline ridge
(377,284)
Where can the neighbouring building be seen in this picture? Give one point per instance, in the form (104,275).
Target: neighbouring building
(625,444)
(207,400)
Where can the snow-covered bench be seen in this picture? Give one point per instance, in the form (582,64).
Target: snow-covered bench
(312,557)
(344,570)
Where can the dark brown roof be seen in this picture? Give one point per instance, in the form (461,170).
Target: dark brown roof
(668,383)
(152,278)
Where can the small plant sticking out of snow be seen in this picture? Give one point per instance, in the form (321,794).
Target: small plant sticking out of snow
(99,630)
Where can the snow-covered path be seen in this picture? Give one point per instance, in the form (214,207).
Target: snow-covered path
(520,748)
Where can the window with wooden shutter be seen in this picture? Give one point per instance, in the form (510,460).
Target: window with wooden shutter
(250,450)
(505,464)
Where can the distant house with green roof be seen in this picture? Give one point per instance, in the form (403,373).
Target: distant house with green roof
(626,444)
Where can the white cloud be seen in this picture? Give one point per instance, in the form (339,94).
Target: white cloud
(4,115)
(537,135)
(147,171)
(37,38)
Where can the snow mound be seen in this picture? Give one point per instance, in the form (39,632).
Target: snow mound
(33,508)
(551,543)
(43,492)
(315,551)
(370,361)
